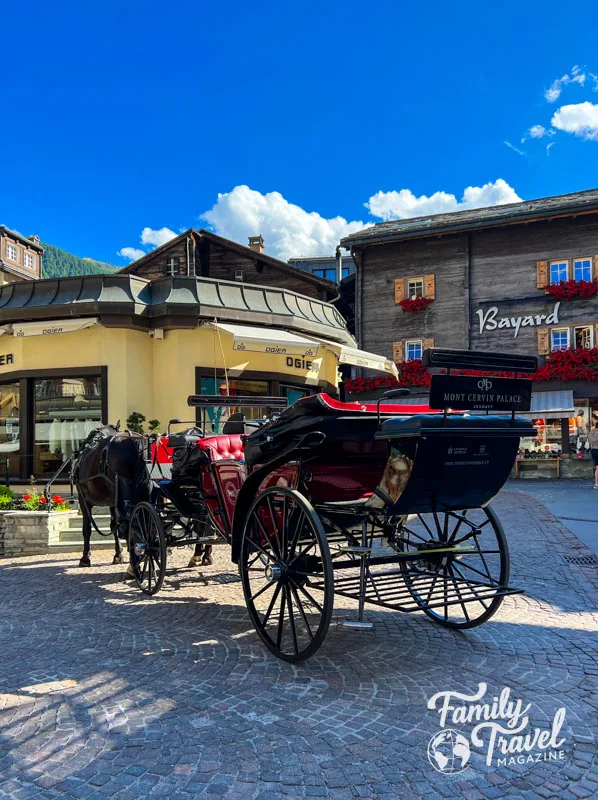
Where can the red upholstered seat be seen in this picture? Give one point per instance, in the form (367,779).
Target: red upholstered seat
(223,447)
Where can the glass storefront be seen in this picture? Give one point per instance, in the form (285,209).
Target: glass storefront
(10,439)
(216,417)
(65,410)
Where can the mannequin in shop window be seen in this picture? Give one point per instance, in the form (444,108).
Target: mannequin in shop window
(582,434)
(593,441)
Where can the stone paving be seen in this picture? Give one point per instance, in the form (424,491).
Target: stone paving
(106,693)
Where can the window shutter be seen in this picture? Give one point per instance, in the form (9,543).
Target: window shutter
(542,269)
(596,335)
(543,341)
(399,289)
(595,267)
(428,344)
(397,352)
(429,287)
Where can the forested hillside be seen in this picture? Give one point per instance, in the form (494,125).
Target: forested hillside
(58,263)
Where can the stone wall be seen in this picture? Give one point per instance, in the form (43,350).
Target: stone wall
(29,533)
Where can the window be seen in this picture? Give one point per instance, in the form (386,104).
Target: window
(10,397)
(28,260)
(413,349)
(559,339)
(172,266)
(12,253)
(415,288)
(584,336)
(329,274)
(66,410)
(582,269)
(559,271)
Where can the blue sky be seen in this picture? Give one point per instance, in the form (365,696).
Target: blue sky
(123,118)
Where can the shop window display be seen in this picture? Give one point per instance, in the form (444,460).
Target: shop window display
(66,410)
(9,428)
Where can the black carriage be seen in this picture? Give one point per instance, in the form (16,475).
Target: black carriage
(384,503)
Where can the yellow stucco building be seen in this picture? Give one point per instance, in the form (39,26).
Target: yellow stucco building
(76,352)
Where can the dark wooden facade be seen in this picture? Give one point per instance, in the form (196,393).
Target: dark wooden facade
(470,274)
(207,255)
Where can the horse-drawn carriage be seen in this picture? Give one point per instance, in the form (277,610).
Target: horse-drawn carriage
(382,503)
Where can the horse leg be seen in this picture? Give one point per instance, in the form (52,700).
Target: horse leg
(85,560)
(207,559)
(118,552)
(196,557)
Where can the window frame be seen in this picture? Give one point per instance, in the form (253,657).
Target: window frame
(419,342)
(559,262)
(17,250)
(171,273)
(582,258)
(567,331)
(421,280)
(589,327)
(31,256)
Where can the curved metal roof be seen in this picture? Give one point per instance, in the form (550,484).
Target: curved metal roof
(124,300)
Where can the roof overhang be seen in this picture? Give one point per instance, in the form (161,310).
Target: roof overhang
(551,405)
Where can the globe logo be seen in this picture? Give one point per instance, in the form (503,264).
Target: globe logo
(448,751)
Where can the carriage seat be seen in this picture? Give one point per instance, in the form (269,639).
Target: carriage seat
(219,448)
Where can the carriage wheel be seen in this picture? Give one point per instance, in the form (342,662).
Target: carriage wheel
(286,571)
(468,575)
(147,548)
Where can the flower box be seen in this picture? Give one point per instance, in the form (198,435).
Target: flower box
(418,303)
(29,533)
(566,290)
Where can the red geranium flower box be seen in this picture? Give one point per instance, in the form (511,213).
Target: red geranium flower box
(418,303)
(565,290)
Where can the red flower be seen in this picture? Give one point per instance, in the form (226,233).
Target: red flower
(417,303)
(43,500)
(58,499)
(26,497)
(565,290)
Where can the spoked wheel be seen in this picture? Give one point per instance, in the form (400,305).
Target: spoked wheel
(459,581)
(286,571)
(147,548)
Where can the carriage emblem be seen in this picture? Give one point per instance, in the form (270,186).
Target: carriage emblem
(485,384)
(232,492)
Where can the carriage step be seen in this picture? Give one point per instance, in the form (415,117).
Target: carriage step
(389,589)
(356,550)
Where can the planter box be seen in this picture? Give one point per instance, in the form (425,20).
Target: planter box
(31,533)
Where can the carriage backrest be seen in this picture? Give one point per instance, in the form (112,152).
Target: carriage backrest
(223,447)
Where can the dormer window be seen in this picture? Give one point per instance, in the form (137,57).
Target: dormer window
(12,253)
(172,266)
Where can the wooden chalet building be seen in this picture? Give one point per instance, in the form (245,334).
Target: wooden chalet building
(203,254)
(490,279)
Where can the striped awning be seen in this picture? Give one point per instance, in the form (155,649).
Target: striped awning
(551,405)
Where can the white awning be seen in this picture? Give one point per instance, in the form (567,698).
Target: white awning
(53,327)
(361,358)
(551,405)
(269,340)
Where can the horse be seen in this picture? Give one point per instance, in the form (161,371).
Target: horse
(110,471)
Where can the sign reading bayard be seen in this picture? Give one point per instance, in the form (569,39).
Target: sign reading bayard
(465,393)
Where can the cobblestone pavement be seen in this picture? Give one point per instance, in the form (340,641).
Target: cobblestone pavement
(105,693)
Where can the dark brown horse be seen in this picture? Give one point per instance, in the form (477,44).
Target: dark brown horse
(110,471)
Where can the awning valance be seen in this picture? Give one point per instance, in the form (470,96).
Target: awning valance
(551,405)
(361,358)
(50,328)
(269,340)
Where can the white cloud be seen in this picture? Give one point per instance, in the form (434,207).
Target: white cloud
(157,237)
(537,131)
(548,146)
(288,229)
(516,149)
(580,119)
(554,91)
(401,204)
(132,253)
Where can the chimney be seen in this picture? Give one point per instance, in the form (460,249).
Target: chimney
(257,243)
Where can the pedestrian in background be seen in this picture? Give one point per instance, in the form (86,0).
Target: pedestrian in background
(594,451)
